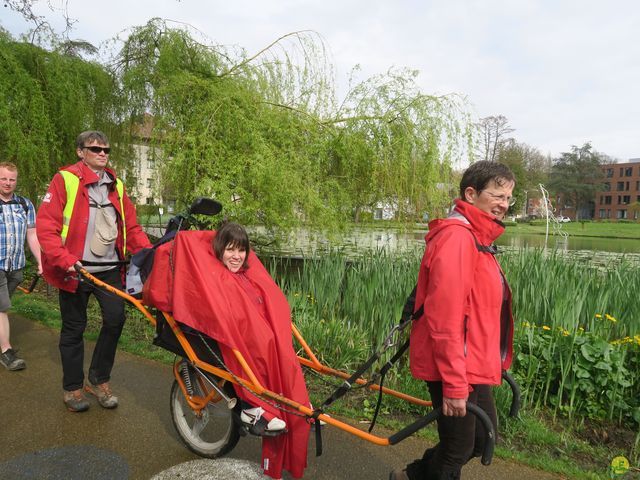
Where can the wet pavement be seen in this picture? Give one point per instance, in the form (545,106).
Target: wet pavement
(40,439)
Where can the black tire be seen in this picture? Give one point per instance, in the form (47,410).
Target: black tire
(217,435)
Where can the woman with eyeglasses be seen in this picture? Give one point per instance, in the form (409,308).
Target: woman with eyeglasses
(462,339)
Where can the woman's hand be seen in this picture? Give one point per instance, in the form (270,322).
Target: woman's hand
(454,407)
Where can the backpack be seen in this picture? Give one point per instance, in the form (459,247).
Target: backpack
(17,201)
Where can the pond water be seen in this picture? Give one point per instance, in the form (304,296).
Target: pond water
(359,240)
(302,242)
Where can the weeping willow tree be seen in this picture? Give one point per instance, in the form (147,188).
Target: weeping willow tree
(46,99)
(263,133)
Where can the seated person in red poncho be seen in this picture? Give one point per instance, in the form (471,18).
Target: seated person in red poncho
(231,247)
(238,304)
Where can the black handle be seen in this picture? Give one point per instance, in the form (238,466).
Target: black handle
(31,287)
(490,440)
(515,390)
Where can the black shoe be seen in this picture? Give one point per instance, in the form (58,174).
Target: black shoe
(11,361)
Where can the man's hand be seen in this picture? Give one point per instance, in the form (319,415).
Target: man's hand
(72,268)
(454,407)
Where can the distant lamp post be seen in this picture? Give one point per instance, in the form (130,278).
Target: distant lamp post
(160,212)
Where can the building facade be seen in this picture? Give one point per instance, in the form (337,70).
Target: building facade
(620,196)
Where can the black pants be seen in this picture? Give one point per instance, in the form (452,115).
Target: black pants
(461,438)
(73,309)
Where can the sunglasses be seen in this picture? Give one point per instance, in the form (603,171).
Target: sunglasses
(95,149)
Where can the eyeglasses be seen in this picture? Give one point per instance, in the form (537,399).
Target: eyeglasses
(511,201)
(95,149)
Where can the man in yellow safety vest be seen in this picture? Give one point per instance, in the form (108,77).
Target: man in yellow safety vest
(87,216)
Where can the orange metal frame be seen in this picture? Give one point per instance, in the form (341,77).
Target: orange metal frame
(248,380)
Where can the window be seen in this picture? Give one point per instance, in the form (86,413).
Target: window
(609,172)
(626,186)
(621,214)
(638,185)
(607,200)
(149,182)
(149,200)
(626,199)
(628,172)
(602,213)
(607,187)
(620,186)
(151,164)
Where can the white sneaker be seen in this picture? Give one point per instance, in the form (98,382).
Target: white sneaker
(251,416)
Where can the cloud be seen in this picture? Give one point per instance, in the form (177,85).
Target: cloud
(562,72)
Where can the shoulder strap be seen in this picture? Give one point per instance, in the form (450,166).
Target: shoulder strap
(23,202)
(408,309)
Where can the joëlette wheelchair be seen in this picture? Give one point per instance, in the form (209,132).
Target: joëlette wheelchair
(204,407)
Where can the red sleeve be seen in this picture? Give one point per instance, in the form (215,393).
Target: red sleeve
(136,238)
(451,272)
(49,225)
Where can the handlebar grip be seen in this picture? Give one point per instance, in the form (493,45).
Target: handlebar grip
(31,287)
(515,390)
(490,439)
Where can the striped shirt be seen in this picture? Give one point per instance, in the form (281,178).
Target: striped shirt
(14,222)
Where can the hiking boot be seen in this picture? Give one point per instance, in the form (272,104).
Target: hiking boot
(398,474)
(11,361)
(102,392)
(75,401)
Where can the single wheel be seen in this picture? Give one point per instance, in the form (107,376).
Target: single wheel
(210,434)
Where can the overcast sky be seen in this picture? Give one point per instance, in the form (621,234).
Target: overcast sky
(562,72)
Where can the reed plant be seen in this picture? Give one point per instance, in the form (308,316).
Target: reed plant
(577,330)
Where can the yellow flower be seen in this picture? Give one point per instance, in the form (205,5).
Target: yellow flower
(544,327)
(598,315)
(526,324)
(565,333)
(610,318)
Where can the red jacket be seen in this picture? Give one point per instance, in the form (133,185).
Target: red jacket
(465,335)
(56,257)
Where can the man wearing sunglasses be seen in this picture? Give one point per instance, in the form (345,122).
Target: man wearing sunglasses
(462,333)
(87,216)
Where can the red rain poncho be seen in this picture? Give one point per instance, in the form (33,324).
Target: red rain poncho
(191,283)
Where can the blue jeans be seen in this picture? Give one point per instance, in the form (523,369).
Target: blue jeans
(73,309)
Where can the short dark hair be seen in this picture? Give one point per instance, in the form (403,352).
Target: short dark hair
(91,136)
(479,174)
(234,235)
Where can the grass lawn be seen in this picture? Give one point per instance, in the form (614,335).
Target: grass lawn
(580,229)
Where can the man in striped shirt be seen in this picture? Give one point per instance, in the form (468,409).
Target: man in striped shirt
(17,223)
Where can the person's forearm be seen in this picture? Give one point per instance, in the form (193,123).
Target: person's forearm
(34,245)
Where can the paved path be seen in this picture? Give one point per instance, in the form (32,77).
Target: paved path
(39,439)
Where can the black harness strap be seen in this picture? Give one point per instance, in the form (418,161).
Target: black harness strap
(18,201)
